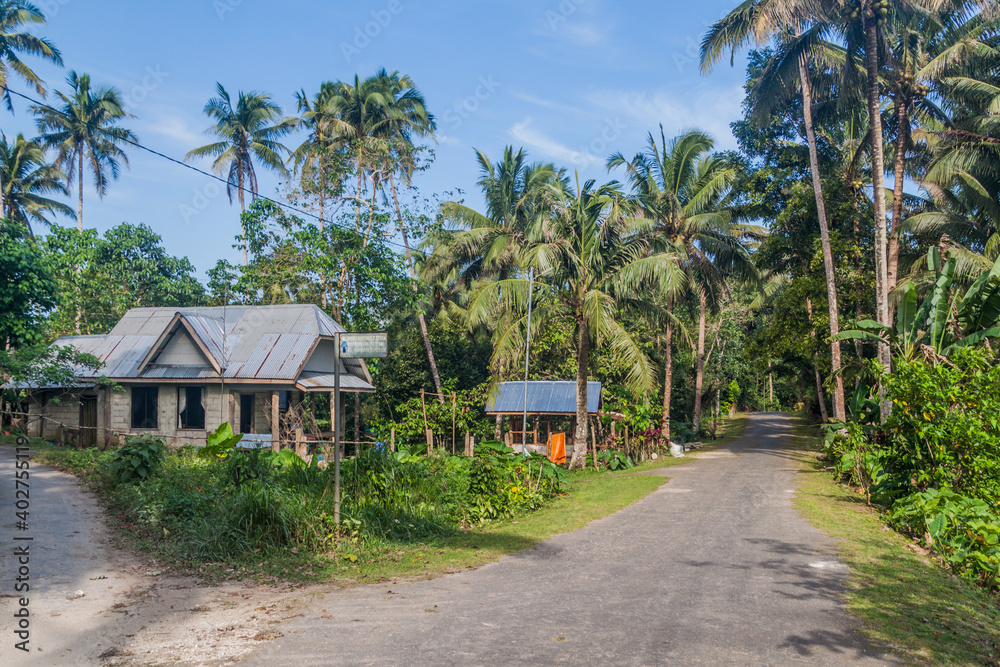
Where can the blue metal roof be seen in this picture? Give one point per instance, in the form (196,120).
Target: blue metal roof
(544,397)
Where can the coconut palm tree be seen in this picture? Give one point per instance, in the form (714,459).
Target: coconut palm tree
(801,34)
(593,261)
(379,117)
(14,15)
(27,177)
(85,129)
(248,131)
(488,245)
(681,187)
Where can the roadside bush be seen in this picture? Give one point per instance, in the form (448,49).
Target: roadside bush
(138,460)
(963,530)
(217,507)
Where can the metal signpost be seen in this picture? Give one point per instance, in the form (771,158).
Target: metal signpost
(352,346)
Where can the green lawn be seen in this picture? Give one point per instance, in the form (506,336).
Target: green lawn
(926,614)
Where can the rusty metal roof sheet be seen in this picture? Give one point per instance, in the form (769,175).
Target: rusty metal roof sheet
(544,397)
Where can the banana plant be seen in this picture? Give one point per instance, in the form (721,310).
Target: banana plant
(945,320)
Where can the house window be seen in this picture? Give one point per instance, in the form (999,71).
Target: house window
(144,407)
(191,407)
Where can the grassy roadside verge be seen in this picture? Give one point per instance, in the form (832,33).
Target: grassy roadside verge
(925,613)
(592,496)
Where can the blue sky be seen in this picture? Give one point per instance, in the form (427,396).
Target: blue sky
(570,81)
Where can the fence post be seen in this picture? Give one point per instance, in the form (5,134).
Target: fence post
(300,444)
(429,434)
(392,440)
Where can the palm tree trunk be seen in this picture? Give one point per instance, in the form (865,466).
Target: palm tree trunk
(839,410)
(413,275)
(579,457)
(668,378)
(819,379)
(902,141)
(79,227)
(770,384)
(699,374)
(79,205)
(878,194)
(243,209)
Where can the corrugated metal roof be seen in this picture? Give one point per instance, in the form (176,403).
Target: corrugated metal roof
(314,381)
(544,397)
(248,342)
(210,332)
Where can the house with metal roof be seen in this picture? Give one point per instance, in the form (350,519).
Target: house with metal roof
(552,398)
(547,402)
(185,371)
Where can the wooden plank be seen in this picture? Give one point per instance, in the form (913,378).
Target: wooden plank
(275,423)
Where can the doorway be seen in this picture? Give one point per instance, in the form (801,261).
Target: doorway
(246,413)
(88,421)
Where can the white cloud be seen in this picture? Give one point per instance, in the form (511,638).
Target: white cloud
(549,104)
(706,108)
(447,139)
(528,136)
(173,127)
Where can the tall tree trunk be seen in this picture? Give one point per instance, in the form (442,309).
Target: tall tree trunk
(878,186)
(770,385)
(413,275)
(699,374)
(819,379)
(322,206)
(79,182)
(839,410)
(668,377)
(902,141)
(819,394)
(243,209)
(79,227)
(579,457)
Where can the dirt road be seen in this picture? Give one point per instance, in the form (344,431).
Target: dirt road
(129,611)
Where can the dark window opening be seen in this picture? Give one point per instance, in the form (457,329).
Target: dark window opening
(283,397)
(246,413)
(144,407)
(191,407)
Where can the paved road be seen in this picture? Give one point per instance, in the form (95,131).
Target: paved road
(714,568)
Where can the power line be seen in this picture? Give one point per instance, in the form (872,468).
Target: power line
(215,177)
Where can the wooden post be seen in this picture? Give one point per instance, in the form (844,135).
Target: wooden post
(108,434)
(392,440)
(430,440)
(232,412)
(593,440)
(275,423)
(423,404)
(300,444)
(472,446)
(467,443)
(454,404)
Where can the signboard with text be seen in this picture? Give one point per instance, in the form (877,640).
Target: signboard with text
(364,345)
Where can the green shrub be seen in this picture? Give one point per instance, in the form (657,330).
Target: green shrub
(138,460)
(963,530)
(944,429)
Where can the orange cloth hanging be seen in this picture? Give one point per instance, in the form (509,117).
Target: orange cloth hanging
(556,448)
